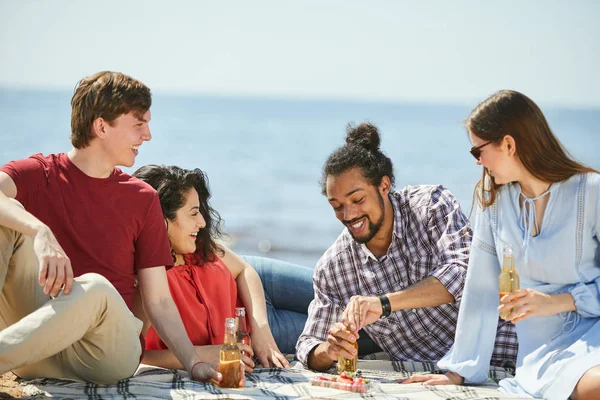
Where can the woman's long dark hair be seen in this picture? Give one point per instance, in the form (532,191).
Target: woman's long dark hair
(172,183)
(508,112)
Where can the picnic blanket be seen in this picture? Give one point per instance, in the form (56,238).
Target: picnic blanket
(272,383)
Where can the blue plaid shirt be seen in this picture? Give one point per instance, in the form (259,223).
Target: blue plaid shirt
(430,238)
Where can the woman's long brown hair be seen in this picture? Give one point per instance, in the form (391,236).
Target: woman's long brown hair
(508,112)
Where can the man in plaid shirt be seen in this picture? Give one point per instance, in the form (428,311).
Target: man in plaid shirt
(397,270)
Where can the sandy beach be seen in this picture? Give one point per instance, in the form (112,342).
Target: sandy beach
(9,388)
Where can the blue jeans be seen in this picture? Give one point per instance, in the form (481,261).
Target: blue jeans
(288,292)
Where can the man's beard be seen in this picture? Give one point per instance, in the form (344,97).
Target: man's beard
(373,227)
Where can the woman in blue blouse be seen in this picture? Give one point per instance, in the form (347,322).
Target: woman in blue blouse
(546,206)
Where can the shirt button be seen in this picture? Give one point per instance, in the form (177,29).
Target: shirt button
(414,310)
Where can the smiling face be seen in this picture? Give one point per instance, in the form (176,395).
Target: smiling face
(123,137)
(184,229)
(357,204)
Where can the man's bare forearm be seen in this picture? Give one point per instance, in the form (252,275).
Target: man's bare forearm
(430,292)
(165,318)
(318,359)
(16,218)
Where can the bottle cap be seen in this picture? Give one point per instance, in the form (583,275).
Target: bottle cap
(230,323)
(240,312)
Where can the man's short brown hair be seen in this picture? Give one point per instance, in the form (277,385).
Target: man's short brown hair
(105,95)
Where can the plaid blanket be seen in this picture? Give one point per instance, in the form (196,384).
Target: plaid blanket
(272,383)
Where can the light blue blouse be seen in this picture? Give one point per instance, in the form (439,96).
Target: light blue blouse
(563,257)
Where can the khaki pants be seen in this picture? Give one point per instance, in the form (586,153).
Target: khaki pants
(89,334)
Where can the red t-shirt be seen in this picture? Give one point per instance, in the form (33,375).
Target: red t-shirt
(112,226)
(205,295)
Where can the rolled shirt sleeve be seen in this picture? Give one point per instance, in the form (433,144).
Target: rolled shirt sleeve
(449,231)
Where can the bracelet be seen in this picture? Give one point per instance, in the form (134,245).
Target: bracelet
(194,366)
(386,306)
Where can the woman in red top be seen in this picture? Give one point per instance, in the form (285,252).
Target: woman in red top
(208,280)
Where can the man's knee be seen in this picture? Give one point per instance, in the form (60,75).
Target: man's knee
(96,286)
(93,282)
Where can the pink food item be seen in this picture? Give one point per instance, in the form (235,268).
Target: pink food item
(353,385)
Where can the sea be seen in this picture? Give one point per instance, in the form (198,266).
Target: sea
(264,156)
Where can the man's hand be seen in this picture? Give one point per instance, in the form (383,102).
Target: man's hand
(266,350)
(361,311)
(527,303)
(340,341)
(55,266)
(450,378)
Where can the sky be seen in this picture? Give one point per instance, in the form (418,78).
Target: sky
(375,50)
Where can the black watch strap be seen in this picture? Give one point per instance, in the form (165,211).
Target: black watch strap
(386,306)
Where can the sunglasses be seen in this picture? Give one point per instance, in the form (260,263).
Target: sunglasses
(476,150)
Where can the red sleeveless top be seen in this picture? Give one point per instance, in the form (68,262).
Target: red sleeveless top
(205,295)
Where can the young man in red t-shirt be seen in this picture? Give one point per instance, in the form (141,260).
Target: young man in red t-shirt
(68,260)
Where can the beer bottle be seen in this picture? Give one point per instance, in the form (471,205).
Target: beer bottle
(229,365)
(508,281)
(242,331)
(348,364)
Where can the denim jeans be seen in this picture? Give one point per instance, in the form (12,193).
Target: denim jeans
(288,292)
